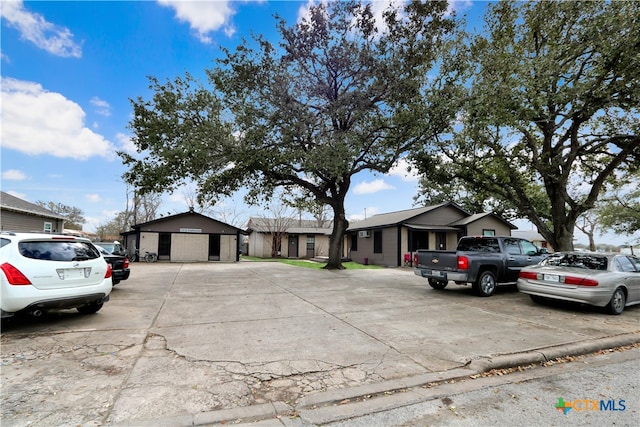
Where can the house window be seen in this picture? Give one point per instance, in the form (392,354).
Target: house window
(164,244)
(441,241)
(377,242)
(48,227)
(354,242)
(486,232)
(311,243)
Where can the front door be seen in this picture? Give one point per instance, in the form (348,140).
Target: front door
(311,246)
(293,246)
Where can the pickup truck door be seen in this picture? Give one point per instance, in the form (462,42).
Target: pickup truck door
(514,259)
(520,253)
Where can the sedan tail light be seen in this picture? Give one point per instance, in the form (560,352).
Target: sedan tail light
(125,263)
(579,281)
(14,276)
(528,275)
(108,273)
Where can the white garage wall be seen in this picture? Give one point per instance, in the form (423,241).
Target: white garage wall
(189,247)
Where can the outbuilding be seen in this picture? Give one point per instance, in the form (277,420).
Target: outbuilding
(390,239)
(297,238)
(17,214)
(185,237)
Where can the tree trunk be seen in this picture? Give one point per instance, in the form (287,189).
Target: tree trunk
(563,235)
(340,225)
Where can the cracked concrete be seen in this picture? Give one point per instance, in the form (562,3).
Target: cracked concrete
(202,339)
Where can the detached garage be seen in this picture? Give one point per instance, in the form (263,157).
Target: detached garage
(185,237)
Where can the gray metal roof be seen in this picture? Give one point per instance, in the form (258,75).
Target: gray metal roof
(478,216)
(393,218)
(288,225)
(428,227)
(404,218)
(13,203)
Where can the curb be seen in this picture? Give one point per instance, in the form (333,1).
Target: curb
(342,404)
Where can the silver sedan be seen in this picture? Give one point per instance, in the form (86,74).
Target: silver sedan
(603,280)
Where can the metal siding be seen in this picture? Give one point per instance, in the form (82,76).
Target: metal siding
(389,255)
(475,228)
(443,215)
(321,245)
(260,245)
(148,243)
(187,247)
(228,248)
(16,221)
(207,225)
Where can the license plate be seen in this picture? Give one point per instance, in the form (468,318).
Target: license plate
(551,278)
(436,273)
(71,273)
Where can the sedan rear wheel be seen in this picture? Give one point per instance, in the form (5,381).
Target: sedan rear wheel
(618,301)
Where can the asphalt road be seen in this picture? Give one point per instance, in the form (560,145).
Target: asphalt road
(207,343)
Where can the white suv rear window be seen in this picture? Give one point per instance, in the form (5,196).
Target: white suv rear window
(58,250)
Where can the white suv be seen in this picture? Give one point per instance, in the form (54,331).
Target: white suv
(47,271)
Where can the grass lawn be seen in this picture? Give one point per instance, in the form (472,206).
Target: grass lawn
(350,265)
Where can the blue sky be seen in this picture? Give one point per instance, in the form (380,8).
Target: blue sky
(70,68)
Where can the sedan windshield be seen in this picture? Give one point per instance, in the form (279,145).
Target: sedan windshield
(588,261)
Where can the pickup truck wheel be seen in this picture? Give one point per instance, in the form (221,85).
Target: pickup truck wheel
(437,284)
(486,284)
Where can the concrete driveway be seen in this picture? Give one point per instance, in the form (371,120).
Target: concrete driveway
(206,343)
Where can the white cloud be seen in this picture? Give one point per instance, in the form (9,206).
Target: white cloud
(13,175)
(102,107)
(35,121)
(372,187)
(459,5)
(93,198)
(33,27)
(203,17)
(401,170)
(366,213)
(378,7)
(126,144)
(18,195)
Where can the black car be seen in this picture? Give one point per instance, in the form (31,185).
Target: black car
(111,247)
(119,265)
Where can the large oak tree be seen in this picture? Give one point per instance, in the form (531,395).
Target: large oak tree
(341,93)
(548,111)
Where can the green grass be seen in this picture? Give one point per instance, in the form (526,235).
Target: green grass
(350,265)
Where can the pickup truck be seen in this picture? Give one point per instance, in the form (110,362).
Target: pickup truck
(485,262)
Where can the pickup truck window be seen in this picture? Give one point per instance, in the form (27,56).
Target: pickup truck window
(512,246)
(479,245)
(528,248)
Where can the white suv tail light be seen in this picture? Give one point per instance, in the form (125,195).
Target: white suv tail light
(14,276)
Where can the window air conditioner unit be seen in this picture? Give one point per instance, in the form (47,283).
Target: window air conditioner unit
(364,233)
